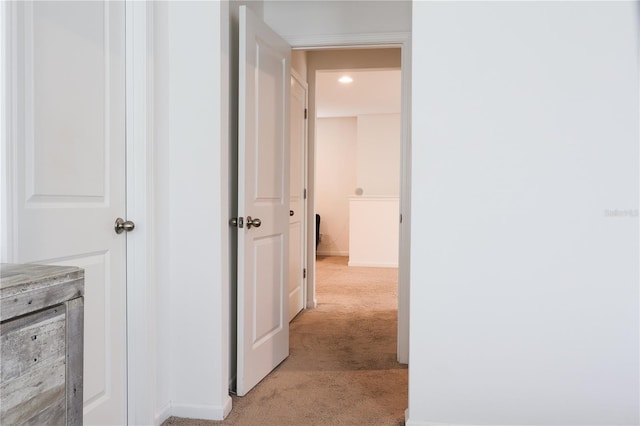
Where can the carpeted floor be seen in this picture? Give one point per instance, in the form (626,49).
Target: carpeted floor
(342,367)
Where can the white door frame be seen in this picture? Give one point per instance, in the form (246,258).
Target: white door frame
(402,40)
(7,245)
(305,177)
(139,151)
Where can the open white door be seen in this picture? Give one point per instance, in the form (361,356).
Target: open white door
(263,201)
(69,185)
(298,210)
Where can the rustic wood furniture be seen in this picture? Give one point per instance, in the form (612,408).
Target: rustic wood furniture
(41,344)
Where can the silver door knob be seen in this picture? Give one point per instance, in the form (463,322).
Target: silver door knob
(253,222)
(122,226)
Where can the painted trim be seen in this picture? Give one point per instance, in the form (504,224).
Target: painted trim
(341,253)
(141,361)
(346,40)
(192,412)
(410,422)
(9,129)
(202,412)
(4,134)
(162,416)
(305,184)
(226,231)
(404,243)
(402,39)
(226,409)
(373,265)
(373,198)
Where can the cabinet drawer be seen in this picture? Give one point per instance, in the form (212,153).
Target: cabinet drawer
(33,354)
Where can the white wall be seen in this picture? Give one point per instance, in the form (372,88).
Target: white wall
(335,181)
(299,63)
(353,152)
(373,231)
(309,18)
(337,238)
(191,103)
(378,154)
(524,295)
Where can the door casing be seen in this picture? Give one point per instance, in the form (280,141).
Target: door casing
(303,83)
(401,40)
(139,152)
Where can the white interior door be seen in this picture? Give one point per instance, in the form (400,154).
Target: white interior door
(263,194)
(69,184)
(297,201)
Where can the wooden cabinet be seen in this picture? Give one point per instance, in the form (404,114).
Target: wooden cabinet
(41,344)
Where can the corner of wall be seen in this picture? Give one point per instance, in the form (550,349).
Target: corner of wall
(202,412)
(189,411)
(162,415)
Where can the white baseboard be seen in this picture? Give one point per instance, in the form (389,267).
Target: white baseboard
(373,264)
(227,407)
(409,422)
(163,415)
(332,253)
(200,412)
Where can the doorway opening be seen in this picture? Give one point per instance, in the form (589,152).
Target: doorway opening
(358,162)
(335,350)
(246,336)
(357,184)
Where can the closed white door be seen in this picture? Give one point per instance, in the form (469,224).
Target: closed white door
(297,201)
(263,201)
(69,187)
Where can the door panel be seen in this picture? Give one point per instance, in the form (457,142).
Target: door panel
(70,172)
(263,193)
(297,222)
(268,298)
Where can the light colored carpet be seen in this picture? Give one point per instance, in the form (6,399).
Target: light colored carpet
(342,367)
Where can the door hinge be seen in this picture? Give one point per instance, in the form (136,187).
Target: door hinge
(304,195)
(304,273)
(305,113)
(400,218)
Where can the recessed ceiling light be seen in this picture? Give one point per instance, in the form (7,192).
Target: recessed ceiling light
(345,79)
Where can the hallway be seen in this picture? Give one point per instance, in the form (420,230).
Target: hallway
(342,367)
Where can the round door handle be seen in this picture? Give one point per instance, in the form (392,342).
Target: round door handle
(291,212)
(253,222)
(123,226)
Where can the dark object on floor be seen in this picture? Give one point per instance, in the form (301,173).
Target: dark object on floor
(317,230)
